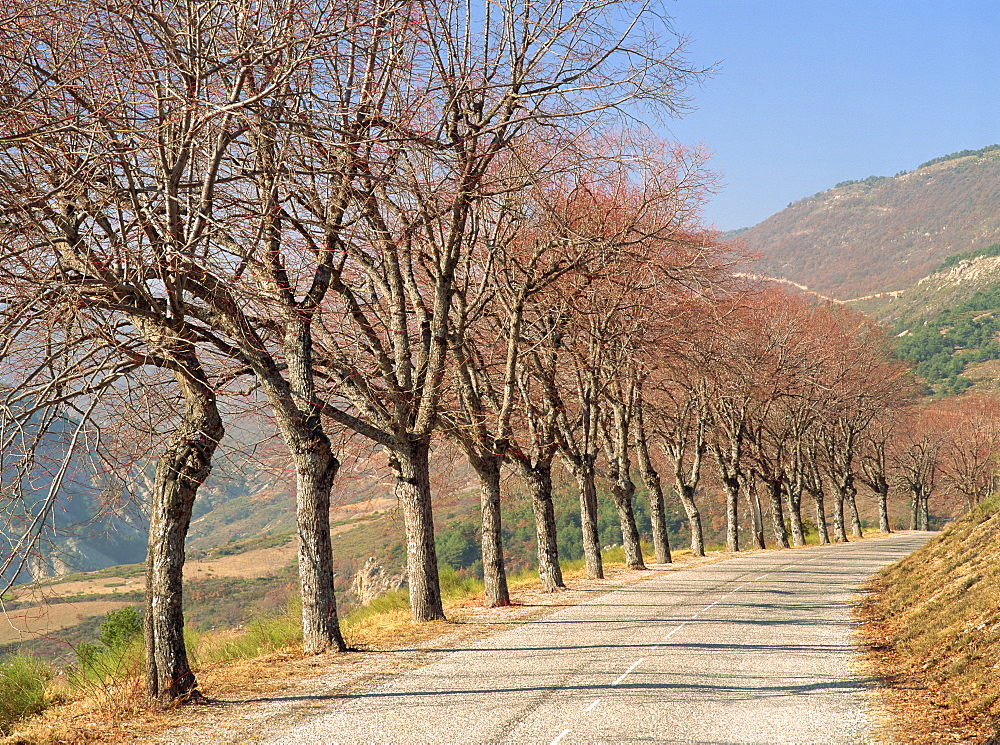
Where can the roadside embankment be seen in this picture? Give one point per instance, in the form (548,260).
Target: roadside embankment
(932,626)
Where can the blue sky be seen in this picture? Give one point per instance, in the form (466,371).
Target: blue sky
(812,92)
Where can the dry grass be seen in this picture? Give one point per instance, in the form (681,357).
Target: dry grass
(932,623)
(39,620)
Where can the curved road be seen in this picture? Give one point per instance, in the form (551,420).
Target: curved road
(755,649)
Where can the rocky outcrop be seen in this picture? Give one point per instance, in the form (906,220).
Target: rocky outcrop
(373,581)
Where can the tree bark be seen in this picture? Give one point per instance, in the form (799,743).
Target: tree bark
(923,511)
(411,465)
(777,517)
(686,494)
(585,479)
(496,593)
(852,504)
(732,488)
(839,532)
(794,494)
(180,471)
(315,470)
(622,492)
(622,486)
(731,481)
(821,529)
(654,489)
(539,479)
(658,516)
(756,517)
(883,509)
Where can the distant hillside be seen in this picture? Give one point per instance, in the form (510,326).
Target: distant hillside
(882,234)
(947,323)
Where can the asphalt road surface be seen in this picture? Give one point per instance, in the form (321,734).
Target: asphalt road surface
(755,649)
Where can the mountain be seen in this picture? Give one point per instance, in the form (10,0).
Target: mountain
(883,234)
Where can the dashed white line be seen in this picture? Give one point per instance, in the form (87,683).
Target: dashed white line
(675,631)
(626,673)
(593,705)
(560,736)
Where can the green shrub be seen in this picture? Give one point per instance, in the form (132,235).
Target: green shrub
(263,635)
(119,654)
(23,682)
(457,584)
(121,627)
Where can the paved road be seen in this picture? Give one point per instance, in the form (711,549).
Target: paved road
(754,649)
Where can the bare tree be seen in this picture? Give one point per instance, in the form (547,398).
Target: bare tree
(131,181)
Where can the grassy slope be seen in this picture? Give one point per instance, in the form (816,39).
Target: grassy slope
(935,620)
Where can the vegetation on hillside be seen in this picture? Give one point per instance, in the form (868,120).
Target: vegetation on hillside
(883,234)
(936,620)
(959,154)
(991,250)
(942,347)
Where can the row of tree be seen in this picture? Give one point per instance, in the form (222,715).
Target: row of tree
(306,203)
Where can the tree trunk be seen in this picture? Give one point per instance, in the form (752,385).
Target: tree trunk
(794,495)
(496,593)
(658,516)
(839,533)
(686,495)
(756,517)
(539,479)
(852,504)
(883,509)
(585,476)
(622,492)
(732,486)
(180,471)
(824,534)
(923,512)
(622,486)
(315,469)
(777,516)
(413,489)
(654,488)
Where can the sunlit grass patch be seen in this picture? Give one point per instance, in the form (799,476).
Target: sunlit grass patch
(23,689)
(941,606)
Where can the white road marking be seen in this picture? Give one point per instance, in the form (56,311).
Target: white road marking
(675,631)
(626,673)
(593,706)
(561,736)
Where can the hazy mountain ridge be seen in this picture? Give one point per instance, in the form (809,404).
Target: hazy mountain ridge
(882,234)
